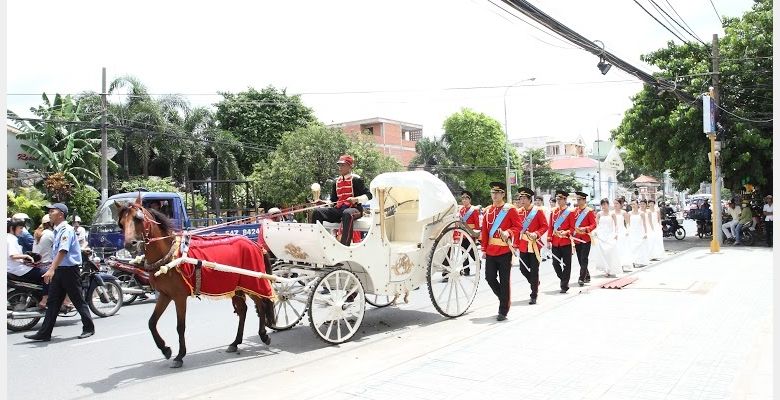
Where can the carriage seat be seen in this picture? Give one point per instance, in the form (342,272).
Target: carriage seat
(362,224)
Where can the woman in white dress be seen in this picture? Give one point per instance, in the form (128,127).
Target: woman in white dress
(637,234)
(603,255)
(657,236)
(621,219)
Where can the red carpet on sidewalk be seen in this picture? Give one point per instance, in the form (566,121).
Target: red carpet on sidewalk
(618,283)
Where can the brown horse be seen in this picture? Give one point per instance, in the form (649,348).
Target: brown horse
(153,231)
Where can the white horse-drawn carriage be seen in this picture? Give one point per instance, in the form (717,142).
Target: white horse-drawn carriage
(413,236)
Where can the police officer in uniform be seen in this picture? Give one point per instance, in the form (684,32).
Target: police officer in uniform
(533,226)
(584,223)
(63,276)
(501,223)
(348,192)
(558,238)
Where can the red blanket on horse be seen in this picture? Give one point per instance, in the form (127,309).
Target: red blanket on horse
(235,251)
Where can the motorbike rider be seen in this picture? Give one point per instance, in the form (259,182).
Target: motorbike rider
(19,267)
(25,238)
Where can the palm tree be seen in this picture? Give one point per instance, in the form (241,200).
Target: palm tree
(432,156)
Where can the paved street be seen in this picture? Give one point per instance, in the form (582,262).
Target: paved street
(691,327)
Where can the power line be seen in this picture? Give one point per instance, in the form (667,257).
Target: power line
(535,27)
(743,118)
(659,22)
(683,21)
(661,9)
(716,12)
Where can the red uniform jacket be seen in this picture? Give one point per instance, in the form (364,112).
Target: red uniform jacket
(538,226)
(567,225)
(472,222)
(495,246)
(588,224)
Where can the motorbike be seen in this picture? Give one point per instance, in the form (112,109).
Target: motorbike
(101,291)
(671,226)
(703,227)
(134,281)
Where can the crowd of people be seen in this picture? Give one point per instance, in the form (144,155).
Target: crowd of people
(742,217)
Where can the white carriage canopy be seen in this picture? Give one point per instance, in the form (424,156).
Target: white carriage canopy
(434,195)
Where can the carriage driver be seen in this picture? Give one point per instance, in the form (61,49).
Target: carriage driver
(347,194)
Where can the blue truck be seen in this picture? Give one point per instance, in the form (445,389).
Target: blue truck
(106,240)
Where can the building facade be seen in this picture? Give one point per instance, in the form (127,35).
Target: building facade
(393,138)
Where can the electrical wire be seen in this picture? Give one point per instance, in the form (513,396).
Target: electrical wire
(659,22)
(683,21)
(568,46)
(671,21)
(716,12)
(743,118)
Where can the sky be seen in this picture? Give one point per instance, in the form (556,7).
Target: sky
(409,54)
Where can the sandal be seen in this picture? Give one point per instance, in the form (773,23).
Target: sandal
(67,308)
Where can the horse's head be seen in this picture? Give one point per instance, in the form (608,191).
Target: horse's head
(133,223)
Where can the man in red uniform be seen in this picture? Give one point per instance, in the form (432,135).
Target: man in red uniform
(469,214)
(561,227)
(348,192)
(534,225)
(584,223)
(501,223)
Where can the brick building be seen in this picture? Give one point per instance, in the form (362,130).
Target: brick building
(393,138)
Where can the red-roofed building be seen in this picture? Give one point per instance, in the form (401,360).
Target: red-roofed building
(647,187)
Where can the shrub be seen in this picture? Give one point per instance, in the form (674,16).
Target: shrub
(28,200)
(83,202)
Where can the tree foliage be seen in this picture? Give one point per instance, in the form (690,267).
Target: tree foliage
(83,202)
(260,118)
(545,177)
(660,132)
(308,155)
(28,200)
(433,156)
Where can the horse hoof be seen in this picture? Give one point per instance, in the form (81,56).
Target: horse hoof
(266,339)
(232,349)
(177,364)
(167,352)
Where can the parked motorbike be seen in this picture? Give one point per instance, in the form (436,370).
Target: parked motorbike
(134,280)
(101,292)
(704,228)
(671,227)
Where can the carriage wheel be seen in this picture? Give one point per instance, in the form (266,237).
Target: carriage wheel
(336,306)
(380,300)
(452,257)
(291,303)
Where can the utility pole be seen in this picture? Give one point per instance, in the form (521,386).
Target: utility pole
(715,149)
(103,143)
(531,166)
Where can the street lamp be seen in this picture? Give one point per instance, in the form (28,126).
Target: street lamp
(506,132)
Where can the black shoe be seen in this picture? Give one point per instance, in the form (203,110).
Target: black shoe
(533,301)
(564,290)
(581,282)
(37,337)
(86,334)
(587,280)
(501,317)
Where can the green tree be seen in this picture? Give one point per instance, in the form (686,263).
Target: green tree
(60,142)
(660,132)
(83,202)
(308,155)
(476,144)
(433,156)
(28,200)
(545,178)
(260,118)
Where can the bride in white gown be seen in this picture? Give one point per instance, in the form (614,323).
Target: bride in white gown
(638,245)
(621,219)
(656,238)
(604,255)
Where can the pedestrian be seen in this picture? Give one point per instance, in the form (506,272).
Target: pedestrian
(584,223)
(469,215)
(621,218)
(26,239)
(605,256)
(19,264)
(728,228)
(501,222)
(63,276)
(81,233)
(560,228)
(745,216)
(768,219)
(44,241)
(347,195)
(534,226)
(637,235)
(656,234)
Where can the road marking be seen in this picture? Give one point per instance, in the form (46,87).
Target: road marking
(107,339)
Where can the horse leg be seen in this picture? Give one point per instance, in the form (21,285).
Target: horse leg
(239,307)
(159,307)
(264,308)
(181,314)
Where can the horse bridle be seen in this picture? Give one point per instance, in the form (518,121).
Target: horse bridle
(148,220)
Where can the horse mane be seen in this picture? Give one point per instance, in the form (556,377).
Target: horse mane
(166,225)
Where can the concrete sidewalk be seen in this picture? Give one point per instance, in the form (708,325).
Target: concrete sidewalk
(695,326)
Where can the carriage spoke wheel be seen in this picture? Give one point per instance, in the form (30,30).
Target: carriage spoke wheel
(456,256)
(380,300)
(291,303)
(336,306)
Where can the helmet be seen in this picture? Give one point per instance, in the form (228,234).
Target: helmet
(77,219)
(21,216)
(45,219)
(274,210)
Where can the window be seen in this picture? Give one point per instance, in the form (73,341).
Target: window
(368,131)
